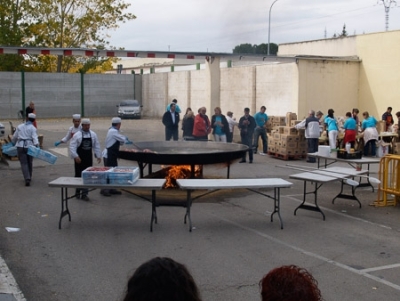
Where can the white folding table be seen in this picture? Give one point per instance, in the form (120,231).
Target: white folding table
(352,162)
(70,182)
(321,176)
(217,184)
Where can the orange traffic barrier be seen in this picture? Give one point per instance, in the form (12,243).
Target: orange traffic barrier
(389,175)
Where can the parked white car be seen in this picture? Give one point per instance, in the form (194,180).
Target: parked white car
(129,109)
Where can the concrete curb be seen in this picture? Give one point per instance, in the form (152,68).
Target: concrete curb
(9,290)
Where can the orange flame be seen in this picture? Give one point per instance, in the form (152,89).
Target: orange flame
(180,172)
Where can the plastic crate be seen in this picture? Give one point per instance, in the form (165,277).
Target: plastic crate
(95,175)
(123,175)
(42,154)
(345,155)
(11,151)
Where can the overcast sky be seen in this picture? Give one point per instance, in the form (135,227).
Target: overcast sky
(220,25)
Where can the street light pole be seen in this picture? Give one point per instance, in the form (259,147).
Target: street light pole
(269,24)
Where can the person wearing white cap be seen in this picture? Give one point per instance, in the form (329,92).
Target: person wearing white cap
(82,146)
(24,136)
(114,140)
(76,120)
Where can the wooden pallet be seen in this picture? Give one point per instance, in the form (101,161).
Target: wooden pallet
(286,157)
(11,158)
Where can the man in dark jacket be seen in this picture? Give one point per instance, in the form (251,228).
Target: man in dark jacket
(247,124)
(171,120)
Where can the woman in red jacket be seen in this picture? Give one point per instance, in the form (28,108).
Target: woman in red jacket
(202,125)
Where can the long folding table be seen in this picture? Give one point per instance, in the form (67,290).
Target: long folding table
(321,176)
(250,184)
(352,162)
(70,182)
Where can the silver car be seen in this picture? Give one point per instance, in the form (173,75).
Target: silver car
(129,109)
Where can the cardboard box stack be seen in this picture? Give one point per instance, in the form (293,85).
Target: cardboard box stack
(284,140)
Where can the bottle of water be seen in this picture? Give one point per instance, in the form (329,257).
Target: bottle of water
(348,146)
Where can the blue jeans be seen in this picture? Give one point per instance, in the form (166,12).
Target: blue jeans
(247,140)
(259,131)
(370,144)
(312,147)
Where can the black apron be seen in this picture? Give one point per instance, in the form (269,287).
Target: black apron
(84,152)
(112,154)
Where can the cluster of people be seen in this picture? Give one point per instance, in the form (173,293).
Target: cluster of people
(199,126)
(84,144)
(163,278)
(316,122)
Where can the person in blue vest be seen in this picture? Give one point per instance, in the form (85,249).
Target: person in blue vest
(177,108)
(370,134)
(260,131)
(332,128)
(350,130)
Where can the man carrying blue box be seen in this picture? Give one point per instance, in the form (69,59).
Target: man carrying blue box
(25,135)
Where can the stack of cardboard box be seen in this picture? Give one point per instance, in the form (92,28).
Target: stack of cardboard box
(284,140)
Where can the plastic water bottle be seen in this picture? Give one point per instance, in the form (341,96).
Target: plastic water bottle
(348,146)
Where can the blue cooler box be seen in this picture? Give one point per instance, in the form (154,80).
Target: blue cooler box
(123,175)
(41,154)
(95,175)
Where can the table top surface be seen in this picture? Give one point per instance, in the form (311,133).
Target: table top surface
(232,183)
(328,174)
(365,160)
(66,182)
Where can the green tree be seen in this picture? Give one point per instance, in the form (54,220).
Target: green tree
(344,32)
(256,49)
(11,32)
(69,24)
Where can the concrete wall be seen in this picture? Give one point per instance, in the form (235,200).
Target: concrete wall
(325,84)
(277,88)
(179,88)
(378,76)
(155,94)
(238,87)
(198,94)
(379,72)
(59,94)
(327,47)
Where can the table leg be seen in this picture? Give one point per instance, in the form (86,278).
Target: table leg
(341,195)
(64,206)
(188,205)
(368,184)
(309,207)
(277,195)
(153,210)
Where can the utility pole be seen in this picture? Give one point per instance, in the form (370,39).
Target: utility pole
(269,24)
(387,4)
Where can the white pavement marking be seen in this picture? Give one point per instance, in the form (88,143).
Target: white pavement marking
(339,213)
(384,267)
(60,150)
(311,254)
(8,285)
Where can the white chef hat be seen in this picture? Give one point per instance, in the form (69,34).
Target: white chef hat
(85,121)
(76,116)
(116,120)
(31,115)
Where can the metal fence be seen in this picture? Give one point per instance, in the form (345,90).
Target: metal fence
(58,95)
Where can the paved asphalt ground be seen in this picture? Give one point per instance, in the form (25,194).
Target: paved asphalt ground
(354,254)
